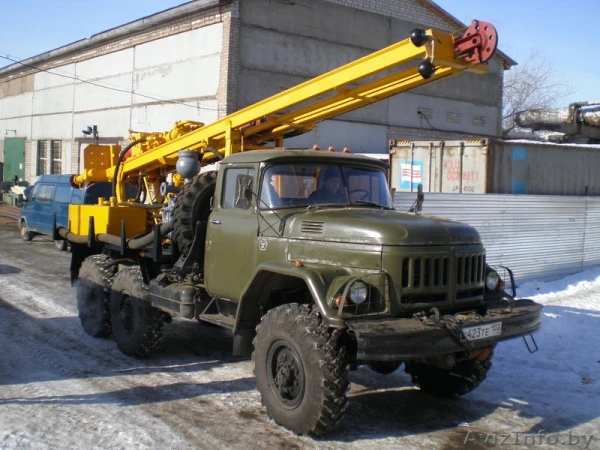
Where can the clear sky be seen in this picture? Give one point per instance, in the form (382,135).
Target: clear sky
(32,27)
(566,32)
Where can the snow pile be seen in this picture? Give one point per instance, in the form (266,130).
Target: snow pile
(560,383)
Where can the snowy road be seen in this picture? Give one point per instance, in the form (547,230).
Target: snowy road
(60,388)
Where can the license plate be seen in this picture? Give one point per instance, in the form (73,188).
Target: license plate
(483,331)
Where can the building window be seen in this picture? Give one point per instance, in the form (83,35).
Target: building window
(49,157)
(42,157)
(56,157)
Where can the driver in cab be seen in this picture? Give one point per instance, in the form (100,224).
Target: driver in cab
(331,189)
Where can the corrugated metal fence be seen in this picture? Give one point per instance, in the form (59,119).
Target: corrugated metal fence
(537,236)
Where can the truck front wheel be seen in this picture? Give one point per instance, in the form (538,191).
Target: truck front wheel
(93,295)
(137,325)
(301,369)
(460,380)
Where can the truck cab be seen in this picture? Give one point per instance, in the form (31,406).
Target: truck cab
(271,202)
(349,253)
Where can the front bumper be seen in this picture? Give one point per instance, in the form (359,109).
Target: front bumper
(396,339)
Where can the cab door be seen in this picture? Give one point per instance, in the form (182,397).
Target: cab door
(28,212)
(44,209)
(231,238)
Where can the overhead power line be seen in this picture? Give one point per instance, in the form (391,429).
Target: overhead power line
(126,91)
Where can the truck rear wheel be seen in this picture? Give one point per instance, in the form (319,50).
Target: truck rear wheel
(191,206)
(301,370)
(93,295)
(460,380)
(137,325)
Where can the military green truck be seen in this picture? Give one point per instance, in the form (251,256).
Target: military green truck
(313,286)
(299,252)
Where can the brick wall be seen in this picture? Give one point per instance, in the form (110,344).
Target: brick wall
(30,154)
(69,158)
(409,10)
(74,157)
(227,93)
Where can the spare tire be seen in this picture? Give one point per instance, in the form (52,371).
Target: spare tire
(191,206)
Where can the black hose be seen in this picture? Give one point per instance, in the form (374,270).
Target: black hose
(138,194)
(133,244)
(120,160)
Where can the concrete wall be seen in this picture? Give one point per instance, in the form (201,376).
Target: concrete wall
(285,43)
(183,68)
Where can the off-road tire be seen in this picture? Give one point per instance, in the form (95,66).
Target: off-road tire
(61,245)
(293,344)
(460,380)
(137,325)
(192,205)
(93,295)
(26,235)
(384,367)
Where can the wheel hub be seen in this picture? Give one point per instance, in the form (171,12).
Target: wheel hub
(286,374)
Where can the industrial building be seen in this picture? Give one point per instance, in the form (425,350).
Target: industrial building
(207,58)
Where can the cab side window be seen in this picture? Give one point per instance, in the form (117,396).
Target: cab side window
(35,195)
(237,180)
(45,193)
(63,194)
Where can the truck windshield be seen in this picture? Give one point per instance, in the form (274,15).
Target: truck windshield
(301,184)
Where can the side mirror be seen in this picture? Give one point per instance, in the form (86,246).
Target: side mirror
(418,204)
(420,198)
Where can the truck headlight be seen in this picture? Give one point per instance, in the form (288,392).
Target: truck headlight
(492,279)
(358,292)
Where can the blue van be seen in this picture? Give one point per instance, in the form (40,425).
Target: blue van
(51,196)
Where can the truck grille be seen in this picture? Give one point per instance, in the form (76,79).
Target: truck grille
(434,272)
(430,279)
(423,273)
(470,269)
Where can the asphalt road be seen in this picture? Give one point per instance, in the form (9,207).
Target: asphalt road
(60,388)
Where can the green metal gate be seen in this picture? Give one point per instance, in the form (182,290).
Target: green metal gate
(14,158)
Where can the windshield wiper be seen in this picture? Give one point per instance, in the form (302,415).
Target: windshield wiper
(368,203)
